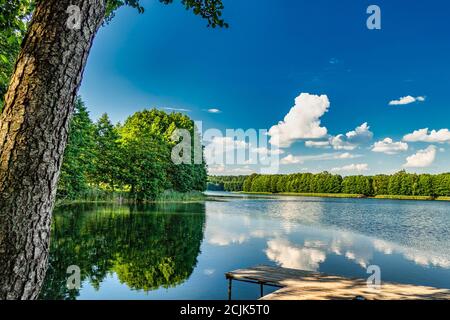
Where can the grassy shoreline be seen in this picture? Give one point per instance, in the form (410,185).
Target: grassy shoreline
(167,197)
(318,195)
(193,197)
(351,196)
(390,197)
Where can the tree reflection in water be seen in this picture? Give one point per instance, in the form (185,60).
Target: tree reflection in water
(147,247)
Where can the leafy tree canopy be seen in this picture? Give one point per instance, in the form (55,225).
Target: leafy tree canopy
(134,158)
(210,10)
(14,15)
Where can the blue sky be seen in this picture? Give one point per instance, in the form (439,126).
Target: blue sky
(273,52)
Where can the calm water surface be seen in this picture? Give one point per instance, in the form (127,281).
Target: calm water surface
(181,251)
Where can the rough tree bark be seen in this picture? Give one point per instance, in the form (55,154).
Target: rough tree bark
(33,133)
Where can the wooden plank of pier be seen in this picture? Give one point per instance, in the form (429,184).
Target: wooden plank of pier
(309,285)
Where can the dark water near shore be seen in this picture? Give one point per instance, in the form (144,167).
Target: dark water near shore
(181,251)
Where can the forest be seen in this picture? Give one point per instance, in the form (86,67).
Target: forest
(132,159)
(398,184)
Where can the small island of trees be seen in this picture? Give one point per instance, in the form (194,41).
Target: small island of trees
(132,160)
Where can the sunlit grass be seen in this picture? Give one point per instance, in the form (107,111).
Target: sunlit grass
(320,195)
(400,197)
(122,197)
(173,196)
(324,195)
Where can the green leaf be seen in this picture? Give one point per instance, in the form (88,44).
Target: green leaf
(4,58)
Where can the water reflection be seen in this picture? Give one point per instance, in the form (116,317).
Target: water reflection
(183,251)
(145,247)
(309,235)
(289,255)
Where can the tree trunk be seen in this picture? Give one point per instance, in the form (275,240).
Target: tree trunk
(33,133)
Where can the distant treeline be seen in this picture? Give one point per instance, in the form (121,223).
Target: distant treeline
(401,183)
(226,183)
(133,158)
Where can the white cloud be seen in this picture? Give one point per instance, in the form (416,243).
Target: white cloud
(214,110)
(317,144)
(406,100)
(349,141)
(220,145)
(346,155)
(388,146)
(422,159)
(361,134)
(291,159)
(424,135)
(265,151)
(352,167)
(352,139)
(302,121)
(221,170)
(340,143)
(218,149)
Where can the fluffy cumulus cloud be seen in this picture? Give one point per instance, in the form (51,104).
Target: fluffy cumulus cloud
(388,146)
(423,158)
(359,167)
(349,141)
(339,142)
(424,135)
(302,121)
(360,135)
(406,100)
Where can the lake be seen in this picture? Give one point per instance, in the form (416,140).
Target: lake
(181,251)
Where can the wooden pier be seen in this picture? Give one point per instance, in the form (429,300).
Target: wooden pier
(308,285)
